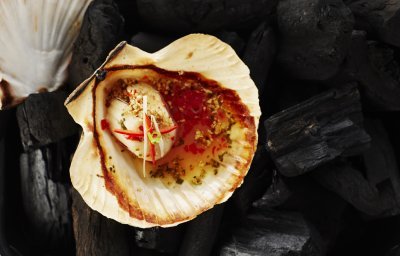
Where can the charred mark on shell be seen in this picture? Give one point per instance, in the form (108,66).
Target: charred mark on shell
(101,74)
(5,94)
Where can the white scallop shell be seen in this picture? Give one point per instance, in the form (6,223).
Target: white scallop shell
(36,39)
(168,205)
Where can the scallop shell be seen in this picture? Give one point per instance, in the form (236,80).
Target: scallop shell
(36,44)
(111,179)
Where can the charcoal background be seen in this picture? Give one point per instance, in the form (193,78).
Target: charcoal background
(291,59)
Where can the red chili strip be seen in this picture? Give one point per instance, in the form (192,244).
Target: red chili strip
(148,124)
(153,153)
(129,133)
(168,130)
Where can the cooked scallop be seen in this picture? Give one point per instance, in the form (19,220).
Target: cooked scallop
(166,136)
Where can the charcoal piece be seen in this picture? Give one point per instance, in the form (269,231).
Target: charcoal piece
(96,234)
(373,66)
(45,200)
(4,246)
(315,36)
(151,42)
(317,131)
(380,159)
(233,39)
(351,185)
(210,15)
(325,210)
(395,251)
(254,185)
(277,194)
(383,62)
(129,11)
(378,17)
(201,233)
(43,119)
(273,233)
(164,240)
(259,54)
(101,30)
(4,117)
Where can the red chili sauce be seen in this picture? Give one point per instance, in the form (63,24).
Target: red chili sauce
(204,112)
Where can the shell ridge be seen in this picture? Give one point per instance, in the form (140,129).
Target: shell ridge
(28,29)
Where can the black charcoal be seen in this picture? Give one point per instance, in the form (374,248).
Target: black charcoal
(378,17)
(382,169)
(277,194)
(384,63)
(322,208)
(380,159)
(273,233)
(151,42)
(209,15)
(315,37)
(374,67)
(101,31)
(128,9)
(96,234)
(233,39)
(43,119)
(351,185)
(45,199)
(317,131)
(259,54)
(395,251)
(4,246)
(201,233)
(4,117)
(164,240)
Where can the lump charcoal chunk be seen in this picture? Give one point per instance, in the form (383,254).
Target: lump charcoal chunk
(204,16)
(380,159)
(164,240)
(129,11)
(317,131)
(101,30)
(4,245)
(45,200)
(273,233)
(277,194)
(233,39)
(378,17)
(201,233)
(351,185)
(151,42)
(374,67)
(96,234)
(395,251)
(259,54)
(4,117)
(385,94)
(315,37)
(43,119)
(382,169)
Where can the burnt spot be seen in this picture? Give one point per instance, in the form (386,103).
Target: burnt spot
(6,97)
(42,90)
(101,74)
(189,55)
